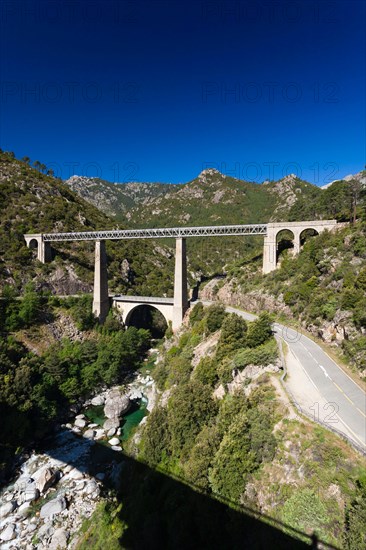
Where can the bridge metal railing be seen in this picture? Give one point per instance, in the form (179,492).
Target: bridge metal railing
(143,299)
(203,231)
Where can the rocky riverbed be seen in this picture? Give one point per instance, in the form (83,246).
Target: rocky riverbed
(54,491)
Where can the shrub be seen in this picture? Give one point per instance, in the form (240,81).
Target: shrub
(197,313)
(215,316)
(262,355)
(206,371)
(259,331)
(233,335)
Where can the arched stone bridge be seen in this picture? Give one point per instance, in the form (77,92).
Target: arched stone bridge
(173,309)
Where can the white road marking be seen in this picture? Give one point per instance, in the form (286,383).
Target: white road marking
(325,372)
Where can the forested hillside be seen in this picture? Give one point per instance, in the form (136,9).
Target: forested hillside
(324,287)
(216,199)
(34,202)
(223,426)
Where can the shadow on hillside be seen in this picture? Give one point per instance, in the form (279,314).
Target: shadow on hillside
(162,512)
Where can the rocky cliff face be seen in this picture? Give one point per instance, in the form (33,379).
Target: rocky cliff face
(333,332)
(117,199)
(254,301)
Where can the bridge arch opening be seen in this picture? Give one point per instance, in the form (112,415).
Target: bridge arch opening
(148,317)
(33,244)
(306,234)
(285,239)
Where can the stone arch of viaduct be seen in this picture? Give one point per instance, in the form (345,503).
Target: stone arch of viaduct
(297,229)
(126,305)
(172,309)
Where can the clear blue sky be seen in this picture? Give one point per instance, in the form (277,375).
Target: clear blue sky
(158,90)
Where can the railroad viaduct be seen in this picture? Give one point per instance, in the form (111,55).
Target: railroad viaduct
(173,309)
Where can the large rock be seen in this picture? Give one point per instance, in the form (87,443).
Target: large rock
(31,493)
(75,474)
(80,423)
(53,507)
(99,434)
(23,509)
(45,478)
(92,488)
(59,539)
(8,533)
(114,441)
(116,404)
(45,531)
(97,401)
(111,424)
(7,509)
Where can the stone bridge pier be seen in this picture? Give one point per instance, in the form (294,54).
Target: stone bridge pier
(100,293)
(172,310)
(44,250)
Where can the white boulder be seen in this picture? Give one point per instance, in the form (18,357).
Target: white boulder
(44,479)
(8,533)
(97,401)
(53,507)
(80,423)
(7,508)
(59,539)
(116,404)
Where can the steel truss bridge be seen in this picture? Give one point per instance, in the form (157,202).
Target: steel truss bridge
(177,232)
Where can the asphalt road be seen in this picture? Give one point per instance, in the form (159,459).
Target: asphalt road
(345,401)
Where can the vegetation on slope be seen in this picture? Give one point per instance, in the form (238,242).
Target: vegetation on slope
(244,447)
(34,202)
(38,382)
(324,287)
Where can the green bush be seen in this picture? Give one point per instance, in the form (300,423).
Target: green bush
(189,409)
(233,335)
(355,533)
(305,511)
(215,316)
(262,355)
(197,313)
(259,331)
(206,371)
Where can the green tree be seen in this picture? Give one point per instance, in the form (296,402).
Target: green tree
(214,317)
(30,306)
(233,461)
(201,457)
(233,335)
(156,436)
(260,330)
(197,313)
(206,371)
(189,409)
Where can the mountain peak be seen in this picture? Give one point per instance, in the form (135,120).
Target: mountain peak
(209,172)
